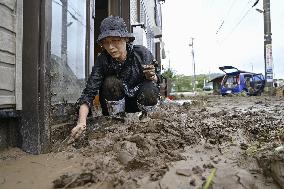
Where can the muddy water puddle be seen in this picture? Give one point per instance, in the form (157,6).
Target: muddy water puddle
(21,170)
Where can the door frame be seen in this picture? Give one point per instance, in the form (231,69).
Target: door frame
(35,127)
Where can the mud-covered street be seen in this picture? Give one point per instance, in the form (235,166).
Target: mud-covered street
(225,142)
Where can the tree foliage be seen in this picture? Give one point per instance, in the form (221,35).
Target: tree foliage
(168,73)
(182,83)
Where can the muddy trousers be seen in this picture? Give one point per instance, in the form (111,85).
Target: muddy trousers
(113,90)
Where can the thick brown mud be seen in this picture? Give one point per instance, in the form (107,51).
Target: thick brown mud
(177,146)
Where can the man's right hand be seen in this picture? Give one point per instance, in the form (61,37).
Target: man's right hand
(78,131)
(149,72)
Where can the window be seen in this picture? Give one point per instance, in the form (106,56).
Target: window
(258,82)
(68,50)
(231,81)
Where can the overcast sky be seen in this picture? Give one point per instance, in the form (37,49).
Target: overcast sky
(238,42)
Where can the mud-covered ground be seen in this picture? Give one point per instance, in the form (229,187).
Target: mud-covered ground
(225,142)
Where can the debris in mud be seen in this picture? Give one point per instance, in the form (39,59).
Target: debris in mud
(208,166)
(272,164)
(74,180)
(243,146)
(239,137)
(158,173)
(279,149)
(126,151)
(120,152)
(2,180)
(245,179)
(184,172)
(197,170)
(277,172)
(192,182)
(209,180)
(135,148)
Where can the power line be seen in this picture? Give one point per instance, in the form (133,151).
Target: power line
(236,26)
(220,27)
(244,10)
(242,18)
(229,11)
(256,2)
(70,13)
(75,11)
(227,15)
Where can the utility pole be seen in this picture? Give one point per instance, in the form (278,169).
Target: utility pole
(168,52)
(268,46)
(64,32)
(193,62)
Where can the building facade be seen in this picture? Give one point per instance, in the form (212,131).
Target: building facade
(11,36)
(47,51)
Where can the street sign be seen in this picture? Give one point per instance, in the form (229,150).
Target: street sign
(269,62)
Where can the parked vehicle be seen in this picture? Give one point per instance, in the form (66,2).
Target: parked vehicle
(236,81)
(207,87)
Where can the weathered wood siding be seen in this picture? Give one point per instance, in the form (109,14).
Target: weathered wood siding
(11,14)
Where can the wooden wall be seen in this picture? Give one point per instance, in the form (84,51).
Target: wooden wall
(11,53)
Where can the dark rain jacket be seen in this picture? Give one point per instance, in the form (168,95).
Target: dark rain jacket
(130,72)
